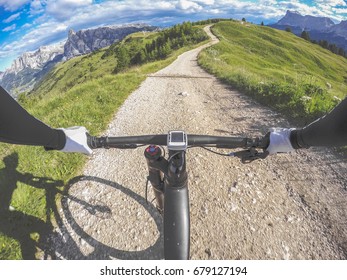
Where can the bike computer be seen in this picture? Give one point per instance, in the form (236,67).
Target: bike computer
(177,140)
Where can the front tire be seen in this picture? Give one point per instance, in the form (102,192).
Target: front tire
(176,224)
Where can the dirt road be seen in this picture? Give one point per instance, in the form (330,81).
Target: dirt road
(290,206)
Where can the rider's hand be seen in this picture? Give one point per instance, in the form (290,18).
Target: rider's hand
(279,141)
(76,140)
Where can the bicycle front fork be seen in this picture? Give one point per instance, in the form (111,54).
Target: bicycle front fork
(157,166)
(170,183)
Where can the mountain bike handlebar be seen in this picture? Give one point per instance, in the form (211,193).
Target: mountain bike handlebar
(128,142)
(251,145)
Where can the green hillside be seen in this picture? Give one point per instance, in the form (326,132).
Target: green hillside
(278,68)
(85,91)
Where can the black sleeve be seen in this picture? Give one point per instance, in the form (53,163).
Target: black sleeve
(329,131)
(17,126)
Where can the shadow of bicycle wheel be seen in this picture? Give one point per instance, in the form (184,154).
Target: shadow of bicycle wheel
(96,208)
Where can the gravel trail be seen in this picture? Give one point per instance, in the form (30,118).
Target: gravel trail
(291,206)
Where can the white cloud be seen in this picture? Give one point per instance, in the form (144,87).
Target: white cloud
(11,18)
(263,9)
(27,25)
(13,5)
(63,9)
(304,9)
(44,34)
(332,3)
(215,11)
(340,11)
(3,54)
(113,12)
(37,7)
(205,2)
(188,6)
(268,2)
(10,28)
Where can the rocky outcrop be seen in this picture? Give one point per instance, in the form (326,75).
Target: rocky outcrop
(86,41)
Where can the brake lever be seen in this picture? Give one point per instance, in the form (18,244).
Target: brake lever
(247,156)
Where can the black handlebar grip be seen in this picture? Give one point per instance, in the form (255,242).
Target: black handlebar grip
(96,142)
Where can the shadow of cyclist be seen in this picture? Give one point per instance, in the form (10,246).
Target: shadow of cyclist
(18,225)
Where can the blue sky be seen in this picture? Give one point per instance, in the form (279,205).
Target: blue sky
(26,25)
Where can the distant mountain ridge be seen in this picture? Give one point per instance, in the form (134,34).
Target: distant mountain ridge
(319,28)
(31,67)
(306,22)
(36,59)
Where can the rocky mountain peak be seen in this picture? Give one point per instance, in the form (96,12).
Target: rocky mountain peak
(340,29)
(36,59)
(71,33)
(307,22)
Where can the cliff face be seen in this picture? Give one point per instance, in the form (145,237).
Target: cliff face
(86,41)
(30,67)
(37,59)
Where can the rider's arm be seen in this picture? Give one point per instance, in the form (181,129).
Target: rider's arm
(328,131)
(17,126)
